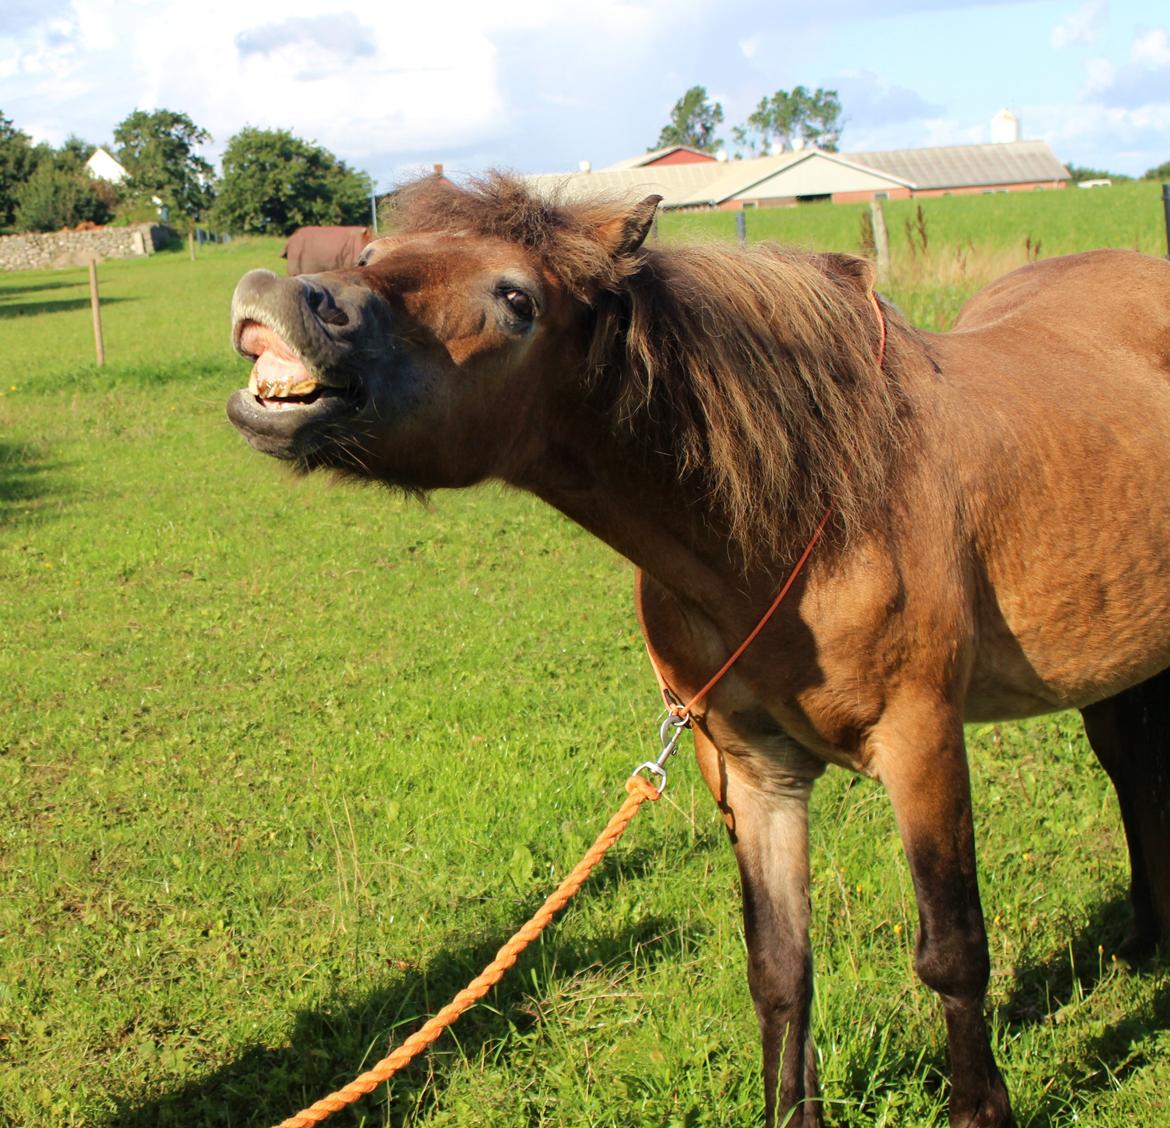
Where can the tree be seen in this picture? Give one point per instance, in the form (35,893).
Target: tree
(813,117)
(59,193)
(693,122)
(1082,172)
(76,150)
(157,149)
(1158,172)
(273,183)
(820,118)
(17,161)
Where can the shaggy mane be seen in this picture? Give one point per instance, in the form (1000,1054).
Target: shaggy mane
(755,367)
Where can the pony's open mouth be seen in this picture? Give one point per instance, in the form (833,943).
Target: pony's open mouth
(280,379)
(286,402)
(278,396)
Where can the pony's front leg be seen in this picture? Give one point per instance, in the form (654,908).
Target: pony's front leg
(922,762)
(767,819)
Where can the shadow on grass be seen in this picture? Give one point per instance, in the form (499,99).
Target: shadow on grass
(1095,1062)
(25,480)
(329,1046)
(61,305)
(1042,990)
(8,292)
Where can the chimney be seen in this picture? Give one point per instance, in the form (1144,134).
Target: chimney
(438,169)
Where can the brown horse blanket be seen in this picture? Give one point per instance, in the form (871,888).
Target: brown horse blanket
(311,249)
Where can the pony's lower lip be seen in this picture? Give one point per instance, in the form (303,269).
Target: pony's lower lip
(286,427)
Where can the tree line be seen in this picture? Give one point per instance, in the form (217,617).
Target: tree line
(271,181)
(780,122)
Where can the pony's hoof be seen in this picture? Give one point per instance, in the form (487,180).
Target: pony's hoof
(1139,946)
(993,1111)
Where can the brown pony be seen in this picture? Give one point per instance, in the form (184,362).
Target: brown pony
(313,249)
(999,544)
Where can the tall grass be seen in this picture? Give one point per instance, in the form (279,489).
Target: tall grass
(1064,221)
(969,240)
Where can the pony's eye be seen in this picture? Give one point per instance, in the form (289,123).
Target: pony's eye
(520,304)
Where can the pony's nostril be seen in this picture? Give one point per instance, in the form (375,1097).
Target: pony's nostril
(321,302)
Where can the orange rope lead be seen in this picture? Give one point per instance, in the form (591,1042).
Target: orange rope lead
(639,790)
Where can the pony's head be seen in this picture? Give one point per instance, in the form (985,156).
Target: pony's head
(492,323)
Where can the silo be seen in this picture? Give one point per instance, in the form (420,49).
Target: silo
(1005,128)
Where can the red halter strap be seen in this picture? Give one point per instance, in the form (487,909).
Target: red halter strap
(881,318)
(683,712)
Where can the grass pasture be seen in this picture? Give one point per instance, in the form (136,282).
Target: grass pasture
(282,763)
(942,248)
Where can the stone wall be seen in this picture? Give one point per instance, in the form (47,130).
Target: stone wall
(36,249)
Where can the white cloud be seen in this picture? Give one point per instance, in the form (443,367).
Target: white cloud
(540,86)
(1125,139)
(1100,75)
(23,16)
(1082,27)
(369,81)
(1152,46)
(946,131)
(1138,82)
(870,101)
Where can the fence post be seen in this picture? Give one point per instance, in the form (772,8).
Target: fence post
(1166,214)
(740,225)
(96,309)
(881,240)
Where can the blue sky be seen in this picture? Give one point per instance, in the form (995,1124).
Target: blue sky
(393,87)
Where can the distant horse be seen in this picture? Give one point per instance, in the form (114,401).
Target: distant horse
(310,250)
(998,546)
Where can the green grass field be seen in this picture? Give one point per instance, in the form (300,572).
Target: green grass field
(283,762)
(969,239)
(1126,215)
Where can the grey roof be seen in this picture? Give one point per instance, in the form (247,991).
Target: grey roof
(966,166)
(733,177)
(674,183)
(739,177)
(708,183)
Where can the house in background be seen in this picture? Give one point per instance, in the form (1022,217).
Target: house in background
(964,170)
(102,166)
(671,155)
(689,179)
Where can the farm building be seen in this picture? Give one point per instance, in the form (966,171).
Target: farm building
(671,155)
(102,166)
(688,179)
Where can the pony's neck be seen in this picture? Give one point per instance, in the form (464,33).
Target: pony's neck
(640,510)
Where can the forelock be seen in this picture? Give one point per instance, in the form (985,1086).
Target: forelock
(498,206)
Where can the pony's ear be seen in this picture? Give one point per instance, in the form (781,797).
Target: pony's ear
(851,269)
(624,235)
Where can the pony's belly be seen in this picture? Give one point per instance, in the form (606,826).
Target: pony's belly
(1068,660)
